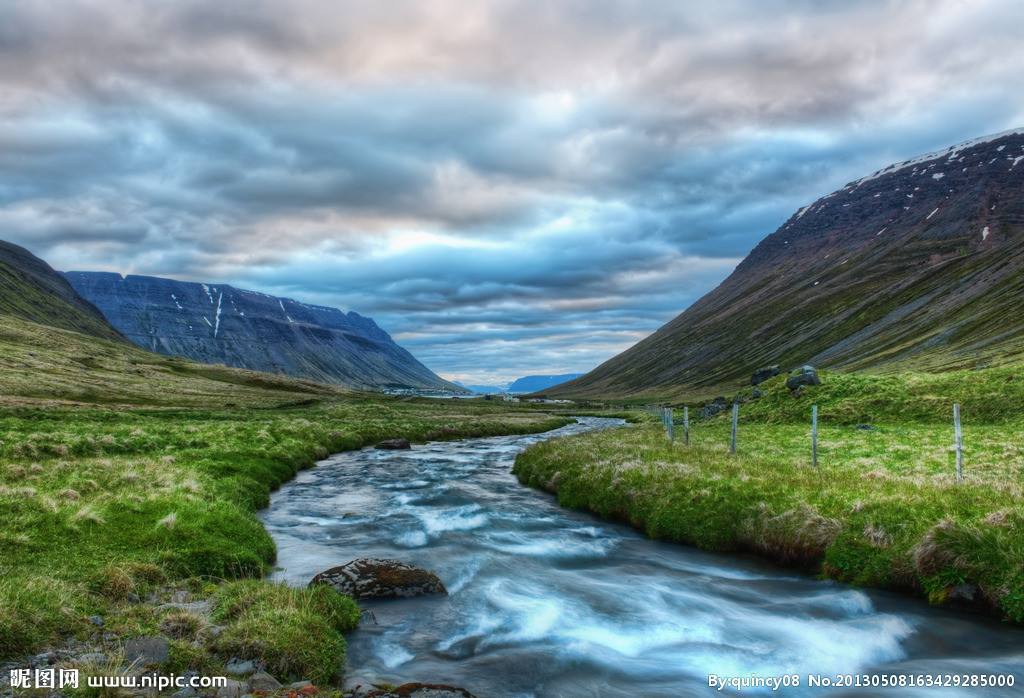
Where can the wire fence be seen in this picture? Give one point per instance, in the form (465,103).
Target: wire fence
(667,415)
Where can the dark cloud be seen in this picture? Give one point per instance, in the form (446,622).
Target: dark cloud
(509,187)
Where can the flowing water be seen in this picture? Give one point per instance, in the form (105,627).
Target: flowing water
(549,602)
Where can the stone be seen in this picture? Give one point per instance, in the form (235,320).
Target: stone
(94,658)
(374,578)
(45,659)
(299,684)
(865,427)
(186,692)
(262,681)
(763,374)
(240,667)
(963,592)
(394,445)
(202,608)
(716,406)
(181,597)
(147,651)
(756,394)
(96,620)
(805,375)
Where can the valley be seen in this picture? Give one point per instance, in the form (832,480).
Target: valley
(178,459)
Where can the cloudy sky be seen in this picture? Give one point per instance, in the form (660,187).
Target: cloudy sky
(506,187)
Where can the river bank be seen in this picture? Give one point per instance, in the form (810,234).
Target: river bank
(882,511)
(105,514)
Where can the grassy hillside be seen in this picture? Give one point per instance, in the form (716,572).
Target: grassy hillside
(42,365)
(988,396)
(31,290)
(916,268)
(883,509)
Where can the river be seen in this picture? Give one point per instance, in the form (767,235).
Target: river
(549,602)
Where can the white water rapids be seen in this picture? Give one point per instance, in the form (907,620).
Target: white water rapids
(549,602)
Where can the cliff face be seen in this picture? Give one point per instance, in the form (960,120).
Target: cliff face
(919,265)
(31,290)
(246,329)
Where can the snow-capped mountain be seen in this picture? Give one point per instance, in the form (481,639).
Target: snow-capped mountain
(215,323)
(919,265)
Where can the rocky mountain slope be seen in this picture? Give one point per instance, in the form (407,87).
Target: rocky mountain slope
(919,265)
(31,290)
(246,329)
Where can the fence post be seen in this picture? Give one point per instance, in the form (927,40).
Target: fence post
(958,436)
(670,425)
(735,420)
(814,435)
(686,425)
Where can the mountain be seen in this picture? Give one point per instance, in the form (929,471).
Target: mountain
(31,290)
(57,348)
(484,389)
(245,329)
(919,265)
(534,384)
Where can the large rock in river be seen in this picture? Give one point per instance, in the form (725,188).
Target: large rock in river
(374,578)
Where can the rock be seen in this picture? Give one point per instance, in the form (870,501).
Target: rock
(763,374)
(212,632)
(373,578)
(421,690)
(394,445)
(716,406)
(94,658)
(262,681)
(240,667)
(805,375)
(45,659)
(133,597)
(963,592)
(756,394)
(186,692)
(865,427)
(96,620)
(299,684)
(202,608)
(232,689)
(181,597)
(148,651)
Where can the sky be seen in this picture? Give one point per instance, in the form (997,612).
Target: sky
(508,188)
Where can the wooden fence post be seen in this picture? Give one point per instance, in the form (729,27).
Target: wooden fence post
(686,425)
(735,420)
(814,435)
(958,437)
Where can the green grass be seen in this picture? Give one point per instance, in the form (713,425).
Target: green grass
(297,633)
(100,505)
(883,509)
